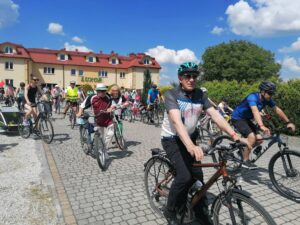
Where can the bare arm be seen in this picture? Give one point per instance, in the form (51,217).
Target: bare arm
(221,122)
(284,117)
(26,94)
(258,119)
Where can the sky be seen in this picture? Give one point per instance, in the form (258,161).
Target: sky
(172,31)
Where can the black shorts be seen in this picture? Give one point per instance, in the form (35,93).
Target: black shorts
(72,103)
(245,127)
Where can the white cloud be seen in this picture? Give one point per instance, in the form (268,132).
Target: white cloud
(55,28)
(291,64)
(217,30)
(9,13)
(77,39)
(80,48)
(264,17)
(294,47)
(165,55)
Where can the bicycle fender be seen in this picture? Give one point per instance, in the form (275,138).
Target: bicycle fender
(155,157)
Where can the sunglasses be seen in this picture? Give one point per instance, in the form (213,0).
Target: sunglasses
(270,93)
(189,76)
(35,79)
(101,90)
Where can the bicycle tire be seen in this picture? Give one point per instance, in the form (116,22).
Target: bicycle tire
(100,152)
(119,137)
(46,125)
(293,173)
(156,200)
(213,128)
(232,164)
(24,131)
(243,200)
(84,139)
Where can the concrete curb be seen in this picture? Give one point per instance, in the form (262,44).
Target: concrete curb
(68,214)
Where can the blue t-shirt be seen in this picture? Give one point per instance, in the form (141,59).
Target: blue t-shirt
(243,110)
(153,95)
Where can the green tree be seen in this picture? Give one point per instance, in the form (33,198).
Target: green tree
(146,86)
(238,60)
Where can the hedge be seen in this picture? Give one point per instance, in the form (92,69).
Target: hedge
(287,96)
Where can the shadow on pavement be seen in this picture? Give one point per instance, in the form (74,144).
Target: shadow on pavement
(61,137)
(4,147)
(132,143)
(117,155)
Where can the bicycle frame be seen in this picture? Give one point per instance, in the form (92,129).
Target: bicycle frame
(222,171)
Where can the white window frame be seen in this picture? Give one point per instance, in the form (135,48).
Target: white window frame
(10,51)
(9,65)
(64,55)
(122,75)
(90,57)
(103,74)
(146,61)
(49,70)
(79,73)
(114,61)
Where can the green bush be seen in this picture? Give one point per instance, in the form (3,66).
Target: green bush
(287,97)
(163,89)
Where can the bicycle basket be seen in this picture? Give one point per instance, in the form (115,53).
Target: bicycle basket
(81,121)
(44,107)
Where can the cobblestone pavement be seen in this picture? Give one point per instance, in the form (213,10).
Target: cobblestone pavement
(27,193)
(117,195)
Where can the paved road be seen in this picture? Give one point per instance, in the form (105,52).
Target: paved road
(117,196)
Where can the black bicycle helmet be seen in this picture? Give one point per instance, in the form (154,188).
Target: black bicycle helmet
(188,67)
(267,86)
(154,86)
(22,84)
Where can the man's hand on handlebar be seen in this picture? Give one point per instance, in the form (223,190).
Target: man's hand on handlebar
(291,126)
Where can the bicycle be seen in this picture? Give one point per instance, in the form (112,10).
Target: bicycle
(152,113)
(9,101)
(283,166)
(231,206)
(127,113)
(118,131)
(72,113)
(207,123)
(93,144)
(42,128)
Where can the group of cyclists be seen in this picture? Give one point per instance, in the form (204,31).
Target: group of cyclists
(183,107)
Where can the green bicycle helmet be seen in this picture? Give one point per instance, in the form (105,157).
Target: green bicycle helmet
(188,67)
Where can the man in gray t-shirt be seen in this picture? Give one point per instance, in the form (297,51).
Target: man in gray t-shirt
(184,105)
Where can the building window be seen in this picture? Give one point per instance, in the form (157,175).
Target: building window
(8,50)
(113,61)
(9,65)
(62,57)
(146,61)
(91,59)
(102,74)
(80,72)
(122,75)
(49,70)
(73,72)
(8,81)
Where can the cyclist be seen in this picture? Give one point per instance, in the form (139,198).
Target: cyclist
(100,104)
(249,109)
(31,91)
(9,93)
(153,95)
(72,96)
(178,137)
(20,95)
(118,100)
(224,108)
(56,95)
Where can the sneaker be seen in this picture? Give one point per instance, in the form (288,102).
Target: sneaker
(26,123)
(249,165)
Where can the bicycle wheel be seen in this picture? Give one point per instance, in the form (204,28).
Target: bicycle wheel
(100,152)
(213,128)
(119,135)
(84,139)
(158,178)
(156,117)
(237,207)
(46,130)
(24,131)
(284,171)
(235,161)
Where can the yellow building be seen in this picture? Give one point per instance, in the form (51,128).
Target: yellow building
(18,64)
